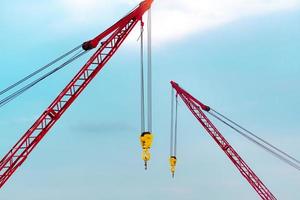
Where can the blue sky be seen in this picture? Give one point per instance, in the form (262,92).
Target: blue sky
(242,58)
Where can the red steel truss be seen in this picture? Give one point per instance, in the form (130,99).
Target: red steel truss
(111,39)
(197,108)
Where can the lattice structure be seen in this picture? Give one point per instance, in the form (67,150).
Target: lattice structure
(110,40)
(197,108)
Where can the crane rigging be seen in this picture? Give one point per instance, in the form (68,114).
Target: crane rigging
(173,131)
(23,89)
(197,108)
(146,137)
(275,151)
(14,85)
(110,40)
(108,43)
(250,136)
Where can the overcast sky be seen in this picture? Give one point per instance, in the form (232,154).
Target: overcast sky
(239,57)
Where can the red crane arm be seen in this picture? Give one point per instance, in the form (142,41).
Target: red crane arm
(111,39)
(136,13)
(196,107)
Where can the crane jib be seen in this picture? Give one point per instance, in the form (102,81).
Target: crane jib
(111,40)
(197,107)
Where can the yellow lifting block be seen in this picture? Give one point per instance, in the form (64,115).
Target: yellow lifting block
(146,139)
(173,161)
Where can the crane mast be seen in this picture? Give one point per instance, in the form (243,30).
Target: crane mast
(110,40)
(197,108)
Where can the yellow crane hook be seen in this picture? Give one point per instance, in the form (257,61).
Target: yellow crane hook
(173,161)
(146,140)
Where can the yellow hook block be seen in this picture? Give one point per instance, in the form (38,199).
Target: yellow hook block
(173,161)
(146,140)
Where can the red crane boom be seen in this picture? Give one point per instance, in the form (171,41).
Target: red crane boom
(197,108)
(111,39)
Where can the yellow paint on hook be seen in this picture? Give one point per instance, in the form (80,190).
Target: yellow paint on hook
(146,140)
(173,161)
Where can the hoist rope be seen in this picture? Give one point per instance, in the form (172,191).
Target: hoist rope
(38,71)
(175,128)
(142,82)
(172,123)
(149,25)
(268,149)
(12,96)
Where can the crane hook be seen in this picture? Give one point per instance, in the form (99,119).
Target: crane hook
(173,161)
(146,139)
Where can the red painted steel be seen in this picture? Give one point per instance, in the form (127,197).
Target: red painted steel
(196,108)
(111,39)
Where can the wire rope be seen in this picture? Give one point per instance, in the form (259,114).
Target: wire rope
(172,123)
(282,158)
(38,71)
(175,128)
(12,96)
(257,137)
(142,82)
(149,25)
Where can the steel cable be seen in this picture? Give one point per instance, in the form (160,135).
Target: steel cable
(12,96)
(175,128)
(38,71)
(149,25)
(142,83)
(282,158)
(257,137)
(172,123)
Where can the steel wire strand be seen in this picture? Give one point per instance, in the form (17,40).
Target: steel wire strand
(176,126)
(142,82)
(149,29)
(12,96)
(172,124)
(38,71)
(285,160)
(257,137)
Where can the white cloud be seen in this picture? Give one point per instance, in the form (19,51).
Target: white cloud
(86,11)
(172,19)
(175,19)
